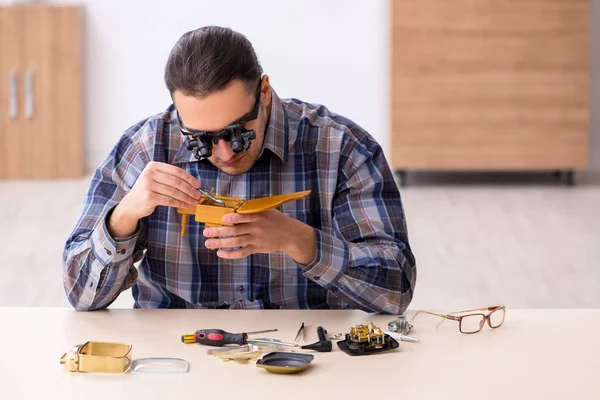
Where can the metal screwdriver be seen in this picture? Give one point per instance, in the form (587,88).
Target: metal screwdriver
(219,337)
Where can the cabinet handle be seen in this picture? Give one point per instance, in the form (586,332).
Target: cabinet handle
(29,94)
(13,105)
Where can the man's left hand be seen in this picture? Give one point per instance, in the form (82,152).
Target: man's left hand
(265,232)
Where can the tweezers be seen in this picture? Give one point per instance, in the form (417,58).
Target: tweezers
(300,333)
(213,198)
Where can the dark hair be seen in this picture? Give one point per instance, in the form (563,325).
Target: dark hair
(205,60)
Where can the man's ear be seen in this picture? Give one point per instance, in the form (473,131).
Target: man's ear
(265,91)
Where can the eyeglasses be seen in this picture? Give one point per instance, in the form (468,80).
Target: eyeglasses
(201,142)
(230,130)
(473,322)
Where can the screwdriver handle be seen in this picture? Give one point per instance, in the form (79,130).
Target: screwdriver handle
(219,337)
(322,333)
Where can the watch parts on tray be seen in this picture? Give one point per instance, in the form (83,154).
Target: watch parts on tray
(366,339)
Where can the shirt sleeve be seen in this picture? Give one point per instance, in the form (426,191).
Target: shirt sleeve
(96,266)
(366,258)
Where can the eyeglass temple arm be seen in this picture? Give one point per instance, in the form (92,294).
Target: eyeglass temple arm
(492,308)
(445,316)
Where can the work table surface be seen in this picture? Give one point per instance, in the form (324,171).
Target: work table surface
(549,354)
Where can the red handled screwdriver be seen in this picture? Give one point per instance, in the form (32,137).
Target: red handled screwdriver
(219,337)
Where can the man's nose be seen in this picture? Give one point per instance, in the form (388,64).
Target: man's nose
(223,150)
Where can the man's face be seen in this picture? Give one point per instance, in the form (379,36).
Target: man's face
(220,109)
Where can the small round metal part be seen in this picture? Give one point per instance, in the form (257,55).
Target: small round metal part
(400,325)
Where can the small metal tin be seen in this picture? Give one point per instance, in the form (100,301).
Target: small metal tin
(98,357)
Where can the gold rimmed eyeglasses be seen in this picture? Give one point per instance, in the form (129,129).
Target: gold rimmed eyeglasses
(472,321)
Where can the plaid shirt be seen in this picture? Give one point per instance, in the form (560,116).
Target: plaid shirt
(363,259)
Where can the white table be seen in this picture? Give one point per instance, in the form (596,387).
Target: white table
(536,354)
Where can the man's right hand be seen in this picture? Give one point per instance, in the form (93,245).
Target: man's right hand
(159,184)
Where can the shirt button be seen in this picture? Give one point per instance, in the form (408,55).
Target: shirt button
(241,289)
(108,251)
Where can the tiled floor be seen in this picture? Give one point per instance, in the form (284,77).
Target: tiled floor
(478,239)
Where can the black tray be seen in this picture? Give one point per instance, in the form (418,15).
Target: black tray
(285,363)
(389,344)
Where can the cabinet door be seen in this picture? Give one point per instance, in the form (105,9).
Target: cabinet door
(52,124)
(13,151)
(67,88)
(490,84)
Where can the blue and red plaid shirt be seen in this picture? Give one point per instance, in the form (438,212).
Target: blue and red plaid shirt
(363,259)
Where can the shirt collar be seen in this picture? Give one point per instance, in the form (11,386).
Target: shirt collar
(278,137)
(276,134)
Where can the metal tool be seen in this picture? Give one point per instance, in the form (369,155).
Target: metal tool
(402,337)
(300,333)
(270,342)
(211,197)
(263,331)
(323,345)
(219,337)
(245,347)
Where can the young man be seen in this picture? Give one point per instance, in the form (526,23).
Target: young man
(345,246)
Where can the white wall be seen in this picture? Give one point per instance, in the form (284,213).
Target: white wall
(333,52)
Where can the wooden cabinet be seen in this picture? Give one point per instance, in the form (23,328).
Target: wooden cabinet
(41,110)
(490,84)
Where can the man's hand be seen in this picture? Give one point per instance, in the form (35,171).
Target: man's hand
(159,184)
(265,232)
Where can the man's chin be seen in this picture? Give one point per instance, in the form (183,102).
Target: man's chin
(241,168)
(233,171)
